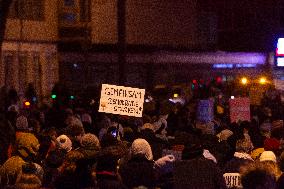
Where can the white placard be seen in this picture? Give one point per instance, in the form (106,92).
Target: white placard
(122,100)
(233,180)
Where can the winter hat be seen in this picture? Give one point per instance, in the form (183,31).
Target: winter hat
(267,156)
(142,147)
(91,142)
(147,126)
(55,158)
(22,123)
(63,142)
(86,118)
(75,127)
(225,134)
(27,144)
(271,144)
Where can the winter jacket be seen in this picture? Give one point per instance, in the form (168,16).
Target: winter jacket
(197,173)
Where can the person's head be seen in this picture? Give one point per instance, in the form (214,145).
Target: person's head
(268,156)
(244,145)
(141,147)
(28,179)
(75,128)
(22,123)
(91,142)
(257,175)
(35,126)
(108,159)
(64,143)
(27,146)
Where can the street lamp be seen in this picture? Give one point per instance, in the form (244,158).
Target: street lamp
(244,80)
(262,80)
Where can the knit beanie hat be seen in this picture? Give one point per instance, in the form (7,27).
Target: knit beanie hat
(142,147)
(27,144)
(267,156)
(22,123)
(225,134)
(91,142)
(63,142)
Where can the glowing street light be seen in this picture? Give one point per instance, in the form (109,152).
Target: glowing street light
(262,80)
(244,81)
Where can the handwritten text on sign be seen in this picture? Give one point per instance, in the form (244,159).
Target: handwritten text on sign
(122,100)
(239,109)
(233,180)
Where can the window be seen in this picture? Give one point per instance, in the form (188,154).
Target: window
(27,9)
(84,10)
(69,2)
(68,17)
(22,80)
(8,63)
(37,73)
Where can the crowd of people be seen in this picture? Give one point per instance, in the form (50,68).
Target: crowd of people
(79,148)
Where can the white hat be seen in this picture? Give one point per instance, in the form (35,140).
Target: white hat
(267,156)
(141,146)
(63,142)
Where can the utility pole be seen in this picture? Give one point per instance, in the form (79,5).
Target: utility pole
(121,43)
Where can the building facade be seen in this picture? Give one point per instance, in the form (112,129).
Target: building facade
(29,50)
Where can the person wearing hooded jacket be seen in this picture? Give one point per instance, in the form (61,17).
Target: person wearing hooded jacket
(27,147)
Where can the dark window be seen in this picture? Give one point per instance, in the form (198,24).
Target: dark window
(8,63)
(23,60)
(69,17)
(27,9)
(85,10)
(69,2)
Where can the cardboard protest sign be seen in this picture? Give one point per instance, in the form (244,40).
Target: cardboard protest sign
(122,100)
(233,180)
(205,111)
(239,109)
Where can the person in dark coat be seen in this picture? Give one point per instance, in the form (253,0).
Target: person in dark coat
(241,157)
(139,169)
(106,170)
(197,172)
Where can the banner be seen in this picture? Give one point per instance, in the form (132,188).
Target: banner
(205,111)
(122,100)
(233,180)
(239,109)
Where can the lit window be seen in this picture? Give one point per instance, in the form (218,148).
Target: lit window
(280,61)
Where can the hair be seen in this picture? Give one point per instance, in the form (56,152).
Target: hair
(244,145)
(258,176)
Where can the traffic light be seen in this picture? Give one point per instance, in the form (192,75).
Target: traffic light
(27,104)
(53,96)
(72,97)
